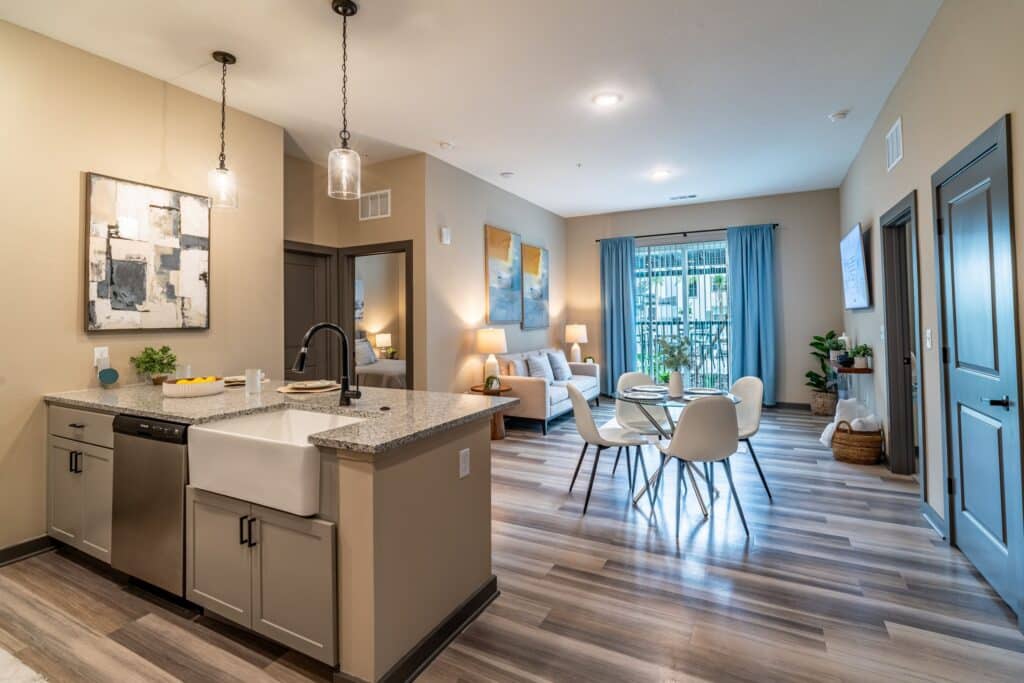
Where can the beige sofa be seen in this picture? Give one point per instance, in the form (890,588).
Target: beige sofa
(539,400)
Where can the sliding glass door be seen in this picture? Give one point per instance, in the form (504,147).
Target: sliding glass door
(682,290)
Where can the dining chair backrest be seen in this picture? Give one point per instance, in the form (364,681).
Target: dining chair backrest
(706,431)
(584,418)
(750,390)
(628,414)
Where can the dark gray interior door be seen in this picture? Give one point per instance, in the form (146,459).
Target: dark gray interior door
(972,196)
(307,298)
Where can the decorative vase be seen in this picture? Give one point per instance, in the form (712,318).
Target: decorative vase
(860,362)
(675,384)
(823,403)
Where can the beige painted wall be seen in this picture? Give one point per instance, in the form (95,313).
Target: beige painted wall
(965,75)
(64,112)
(456,296)
(383,278)
(808,287)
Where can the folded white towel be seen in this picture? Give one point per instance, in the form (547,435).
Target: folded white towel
(866,424)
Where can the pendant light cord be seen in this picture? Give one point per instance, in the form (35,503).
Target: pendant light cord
(223,105)
(344,134)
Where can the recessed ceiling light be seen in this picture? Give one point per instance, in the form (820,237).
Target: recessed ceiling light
(444,144)
(660,174)
(506,174)
(606,99)
(838,116)
(681,197)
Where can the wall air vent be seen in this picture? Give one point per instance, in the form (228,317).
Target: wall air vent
(375,205)
(894,145)
(681,197)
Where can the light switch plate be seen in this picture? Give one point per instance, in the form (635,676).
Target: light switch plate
(463,463)
(101,357)
(928,338)
(446,236)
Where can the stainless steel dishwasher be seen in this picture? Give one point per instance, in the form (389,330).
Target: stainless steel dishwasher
(150,473)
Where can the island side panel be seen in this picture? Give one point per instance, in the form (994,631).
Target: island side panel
(432,536)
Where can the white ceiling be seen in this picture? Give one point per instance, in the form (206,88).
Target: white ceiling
(731,95)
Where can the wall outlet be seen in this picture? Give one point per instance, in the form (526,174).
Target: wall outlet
(463,463)
(101,357)
(928,338)
(446,236)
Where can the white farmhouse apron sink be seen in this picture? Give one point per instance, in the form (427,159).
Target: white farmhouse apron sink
(265,458)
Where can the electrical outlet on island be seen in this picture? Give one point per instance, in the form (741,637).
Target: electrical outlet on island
(463,463)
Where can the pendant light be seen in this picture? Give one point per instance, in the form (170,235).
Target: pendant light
(222,183)
(343,164)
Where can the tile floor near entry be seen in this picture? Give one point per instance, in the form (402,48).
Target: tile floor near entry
(842,580)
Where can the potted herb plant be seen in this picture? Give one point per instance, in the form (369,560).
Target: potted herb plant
(157,364)
(862,354)
(823,381)
(675,355)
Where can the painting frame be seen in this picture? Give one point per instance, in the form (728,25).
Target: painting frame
(200,210)
(536,287)
(503,276)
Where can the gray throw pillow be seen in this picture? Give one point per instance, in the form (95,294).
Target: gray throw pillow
(517,367)
(540,366)
(559,365)
(364,353)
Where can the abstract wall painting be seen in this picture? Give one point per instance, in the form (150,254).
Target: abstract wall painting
(504,276)
(535,287)
(149,257)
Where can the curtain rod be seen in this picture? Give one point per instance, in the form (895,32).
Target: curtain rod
(684,233)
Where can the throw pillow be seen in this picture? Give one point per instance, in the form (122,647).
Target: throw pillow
(540,366)
(559,365)
(364,352)
(517,367)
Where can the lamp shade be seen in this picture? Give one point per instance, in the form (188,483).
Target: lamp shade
(383,340)
(576,334)
(491,340)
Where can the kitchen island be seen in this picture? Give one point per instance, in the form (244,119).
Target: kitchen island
(405,495)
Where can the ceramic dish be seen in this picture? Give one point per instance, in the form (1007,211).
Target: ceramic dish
(701,391)
(172,389)
(651,388)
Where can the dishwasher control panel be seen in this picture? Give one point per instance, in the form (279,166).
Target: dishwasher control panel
(156,430)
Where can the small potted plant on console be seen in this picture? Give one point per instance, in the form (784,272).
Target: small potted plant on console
(861,356)
(157,364)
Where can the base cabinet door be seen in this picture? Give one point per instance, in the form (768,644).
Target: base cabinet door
(64,497)
(218,565)
(96,467)
(294,598)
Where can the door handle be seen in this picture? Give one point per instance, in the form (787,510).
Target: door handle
(241,530)
(76,425)
(251,542)
(1004,402)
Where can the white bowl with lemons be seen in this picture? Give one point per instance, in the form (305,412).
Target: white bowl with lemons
(192,387)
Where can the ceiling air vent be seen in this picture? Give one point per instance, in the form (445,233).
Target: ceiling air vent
(375,205)
(894,145)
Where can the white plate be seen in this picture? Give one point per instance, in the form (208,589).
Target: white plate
(651,388)
(702,391)
(644,395)
(312,384)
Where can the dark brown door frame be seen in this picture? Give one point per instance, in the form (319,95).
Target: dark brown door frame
(998,134)
(899,245)
(347,280)
(331,254)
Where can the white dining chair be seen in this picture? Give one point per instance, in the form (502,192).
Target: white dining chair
(748,415)
(628,414)
(602,439)
(707,432)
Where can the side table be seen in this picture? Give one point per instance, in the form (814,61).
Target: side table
(497,419)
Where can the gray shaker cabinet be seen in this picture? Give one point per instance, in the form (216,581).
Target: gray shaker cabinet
(80,495)
(267,570)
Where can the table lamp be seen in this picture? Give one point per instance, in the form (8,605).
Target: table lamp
(575,334)
(491,340)
(383,341)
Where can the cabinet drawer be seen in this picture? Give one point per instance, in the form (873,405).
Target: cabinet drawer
(82,425)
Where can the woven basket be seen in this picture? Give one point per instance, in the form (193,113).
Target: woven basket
(858,448)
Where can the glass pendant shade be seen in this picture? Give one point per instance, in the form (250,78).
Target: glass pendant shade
(223,189)
(344,173)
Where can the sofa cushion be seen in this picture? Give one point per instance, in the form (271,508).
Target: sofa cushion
(540,366)
(584,383)
(559,365)
(557,394)
(517,367)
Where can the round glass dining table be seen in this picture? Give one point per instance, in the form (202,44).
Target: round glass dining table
(669,406)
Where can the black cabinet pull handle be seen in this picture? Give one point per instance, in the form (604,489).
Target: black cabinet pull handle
(71,461)
(76,425)
(241,530)
(74,460)
(251,542)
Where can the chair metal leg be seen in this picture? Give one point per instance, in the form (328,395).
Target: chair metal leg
(711,485)
(640,464)
(680,482)
(629,472)
(590,487)
(750,447)
(618,453)
(578,463)
(728,474)
(657,481)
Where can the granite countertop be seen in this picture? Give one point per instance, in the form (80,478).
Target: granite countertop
(394,417)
